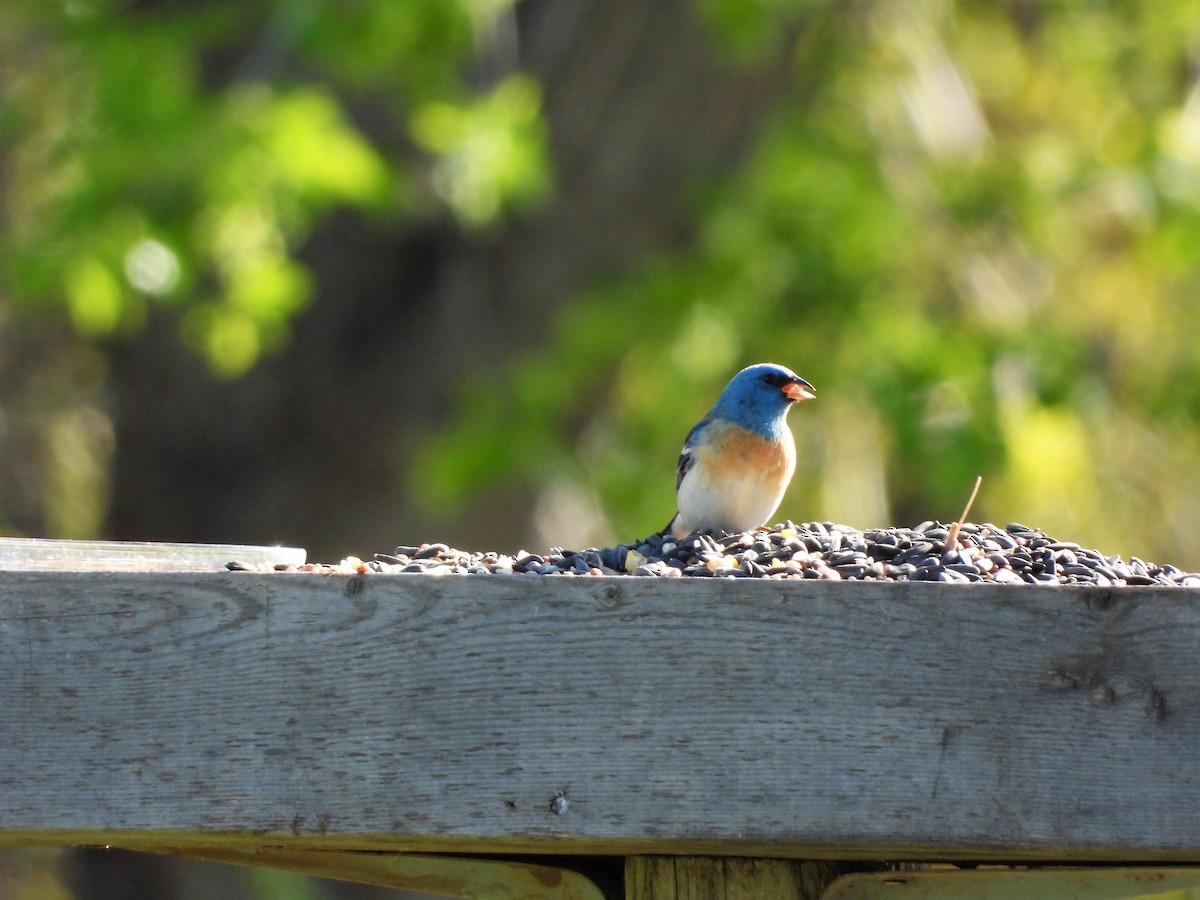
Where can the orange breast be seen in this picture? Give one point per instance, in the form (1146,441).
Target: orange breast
(737,480)
(746,452)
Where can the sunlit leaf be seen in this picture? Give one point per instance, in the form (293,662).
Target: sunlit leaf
(490,152)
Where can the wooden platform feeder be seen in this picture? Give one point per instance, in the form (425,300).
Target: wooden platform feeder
(494,736)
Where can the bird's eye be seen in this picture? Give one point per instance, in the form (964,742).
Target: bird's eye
(773,378)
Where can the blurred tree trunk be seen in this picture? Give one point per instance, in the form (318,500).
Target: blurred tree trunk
(310,448)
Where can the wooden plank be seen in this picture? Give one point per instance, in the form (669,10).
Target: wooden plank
(44,555)
(1020,884)
(725,878)
(619,716)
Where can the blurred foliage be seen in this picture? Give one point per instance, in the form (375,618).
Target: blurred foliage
(32,874)
(489,152)
(165,157)
(974,226)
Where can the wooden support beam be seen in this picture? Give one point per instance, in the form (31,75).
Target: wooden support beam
(600,716)
(726,878)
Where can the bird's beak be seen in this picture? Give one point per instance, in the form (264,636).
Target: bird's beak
(799,390)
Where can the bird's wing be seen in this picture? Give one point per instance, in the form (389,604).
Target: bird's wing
(686,459)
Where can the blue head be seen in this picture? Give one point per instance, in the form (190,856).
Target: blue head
(759,396)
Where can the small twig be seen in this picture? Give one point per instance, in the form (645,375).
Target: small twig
(952,534)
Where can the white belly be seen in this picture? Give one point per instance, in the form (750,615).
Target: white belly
(740,493)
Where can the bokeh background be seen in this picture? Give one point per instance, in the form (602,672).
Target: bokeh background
(342,275)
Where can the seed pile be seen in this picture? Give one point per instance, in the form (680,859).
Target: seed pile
(825,551)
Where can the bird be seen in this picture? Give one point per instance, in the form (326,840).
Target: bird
(737,461)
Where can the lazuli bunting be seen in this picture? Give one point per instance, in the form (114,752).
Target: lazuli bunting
(737,461)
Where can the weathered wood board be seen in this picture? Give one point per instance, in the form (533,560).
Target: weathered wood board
(723,717)
(42,555)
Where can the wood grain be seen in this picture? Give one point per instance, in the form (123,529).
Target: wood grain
(719,717)
(725,878)
(1098,883)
